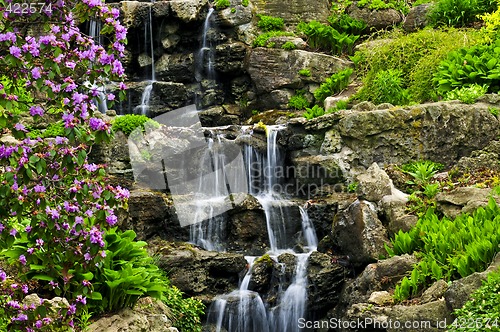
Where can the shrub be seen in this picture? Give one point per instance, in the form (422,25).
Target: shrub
(467,94)
(299,101)
(332,85)
(222,4)
(340,105)
(399,5)
(314,112)
(270,23)
(127,123)
(387,87)
(53,130)
(417,55)
(421,171)
(449,249)
(288,46)
(345,23)
(479,64)
(305,72)
(483,308)
(458,13)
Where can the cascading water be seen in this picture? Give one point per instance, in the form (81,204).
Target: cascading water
(206,58)
(100,91)
(148,40)
(241,310)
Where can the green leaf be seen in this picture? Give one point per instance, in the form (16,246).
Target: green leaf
(42,277)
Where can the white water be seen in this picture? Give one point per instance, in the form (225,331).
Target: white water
(206,56)
(95,34)
(143,108)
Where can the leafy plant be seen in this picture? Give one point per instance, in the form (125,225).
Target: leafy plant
(450,249)
(352,187)
(401,6)
(245,3)
(305,72)
(467,94)
(332,85)
(478,64)
(270,23)
(222,4)
(324,37)
(431,190)
(387,87)
(494,111)
(127,123)
(288,46)
(314,112)
(53,130)
(187,311)
(458,13)
(298,101)
(483,308)
(421,171)
(346,23)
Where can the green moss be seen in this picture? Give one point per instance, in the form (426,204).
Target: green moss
(222,4)
(265,259)
(245,3)
(127,123)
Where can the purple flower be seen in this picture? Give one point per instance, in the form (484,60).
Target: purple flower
(72,309)
(71,64)
(38,324)
(61,140)
(24,289)
(86,283)
(3,275)
(82,299)
(96,124)
(36,110)
(96,237)
(2,227)
(122,193)
(68,119)
(39,242)
(53,284)
(111,96)
(28,229)
(35,72)
(78,220)
(11,36)
(15,51)
(39,188)
(111,219)
(22,259)
(117,68)
(30,251)
(87,257)
(91,167)
(20,127)
(14,304)
(13,232)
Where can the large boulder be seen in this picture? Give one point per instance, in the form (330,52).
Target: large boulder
(272,69)
(234,15)
(374,184)
(295,11)
(358,233)
(463,199)
(417,17)
(375,19)
(443,132)
(189,10)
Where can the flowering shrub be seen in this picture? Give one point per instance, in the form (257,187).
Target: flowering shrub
(54,206)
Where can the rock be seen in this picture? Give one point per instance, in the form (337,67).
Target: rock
(364,106)
(279,41)
(229,57)
(325,281)
(115,155)
(234,15)
(394,210)
(416,18)
(358,233)
(198,272)
(295,11)
(189,10)
(460,290)
(375,19)
(373,184)
(312,172)
(381,298)
(217,116)
(331,102)
(134,13)
(147,315)
(442,132)
(435,292)
(272,69)
(480,160)
(462,199)
(262,272)
(332,143)
(175,67)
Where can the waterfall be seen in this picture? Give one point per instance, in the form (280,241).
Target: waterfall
(243,310)
(143,108)
(206,57)
(95,34)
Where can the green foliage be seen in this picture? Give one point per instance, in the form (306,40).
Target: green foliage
(353,187)
(387,87)
(399,5)
(431,190)
(298,101)
(479,64)
(450,249)
(340,105)
(345,23)
(222,4)
(326,38)
(483,310)
(270,23)
(314,112)
(186,310)
(53,130)
(417,55)
(262,40)
(127,123)
(421,171)
(494,111)
(459,13)
(467,94)
(305,72)
(288,46)
(245,3)
(332,85)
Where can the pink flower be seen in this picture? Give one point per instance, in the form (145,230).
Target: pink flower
(35,72)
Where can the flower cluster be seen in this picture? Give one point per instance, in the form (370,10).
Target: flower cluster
(56,205)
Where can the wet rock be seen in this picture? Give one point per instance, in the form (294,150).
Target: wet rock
(262,273)
(134,13)
(189,10)
(217,116)
(312,172)
(229,57)
(375,19)
(374,183)
(358,233)
(148,315)
(272,69)
(417,17)
(364,106)
(175,67)
(198,272)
